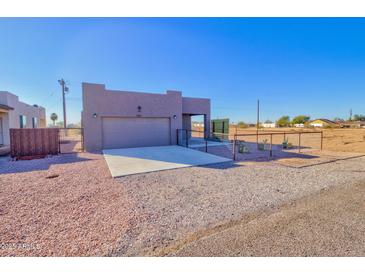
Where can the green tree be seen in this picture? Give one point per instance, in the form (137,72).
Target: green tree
(283,121)
(300,119)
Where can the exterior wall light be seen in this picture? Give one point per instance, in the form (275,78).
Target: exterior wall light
(95,115)
(174,116)
(139,108)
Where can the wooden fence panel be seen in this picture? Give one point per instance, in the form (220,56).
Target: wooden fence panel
(33,141)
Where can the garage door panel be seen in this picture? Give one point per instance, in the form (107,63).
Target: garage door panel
(135,132)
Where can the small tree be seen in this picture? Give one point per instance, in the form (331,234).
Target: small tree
(283,121)
(337,119)
(358,117)
(54,117)
(300,119)
(268,121)
(242,124)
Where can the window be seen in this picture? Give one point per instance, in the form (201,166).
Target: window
(22,121)
(34,122)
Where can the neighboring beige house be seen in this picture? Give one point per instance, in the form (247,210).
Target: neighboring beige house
(16,114)
(322,123)
(122,119)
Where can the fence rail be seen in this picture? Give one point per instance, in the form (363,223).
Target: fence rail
(271,134)
(185,137)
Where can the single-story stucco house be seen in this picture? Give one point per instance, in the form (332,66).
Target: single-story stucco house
(124,119)
(16,114)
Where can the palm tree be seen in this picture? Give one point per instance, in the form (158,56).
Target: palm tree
(54,117)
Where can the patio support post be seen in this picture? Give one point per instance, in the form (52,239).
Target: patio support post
(177,136)
(186,137)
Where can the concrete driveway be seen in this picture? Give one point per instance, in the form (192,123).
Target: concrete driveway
(128,161)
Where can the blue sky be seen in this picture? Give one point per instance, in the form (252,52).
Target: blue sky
(293,65)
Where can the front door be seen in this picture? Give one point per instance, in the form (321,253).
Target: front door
(1,132)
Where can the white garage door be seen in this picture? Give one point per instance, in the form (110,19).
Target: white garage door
(135,132)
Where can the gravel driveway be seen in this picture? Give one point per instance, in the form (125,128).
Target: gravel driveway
(181,203)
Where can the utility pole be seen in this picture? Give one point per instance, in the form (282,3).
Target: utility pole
(351,114)
(258,122)
(64,90)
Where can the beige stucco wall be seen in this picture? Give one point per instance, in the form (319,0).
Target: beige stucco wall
(112,103)
(10,119)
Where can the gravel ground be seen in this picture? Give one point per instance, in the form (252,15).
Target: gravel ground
(70,206)
(78,211)
(329,223)
(178,203)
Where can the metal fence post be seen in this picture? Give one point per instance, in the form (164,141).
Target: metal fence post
(59,140)
(270,145)
(82,139)
(234,148)
(321,140)
(299,141)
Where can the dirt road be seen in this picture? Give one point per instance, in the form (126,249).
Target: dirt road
(330,223)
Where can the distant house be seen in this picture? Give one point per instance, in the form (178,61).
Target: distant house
(268,125)
(198,125)
(323,123)
(16,114)
(299,125)
(352,124)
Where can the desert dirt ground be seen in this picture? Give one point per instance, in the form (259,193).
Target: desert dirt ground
(346,140)
(335,139)
(69,205)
